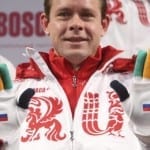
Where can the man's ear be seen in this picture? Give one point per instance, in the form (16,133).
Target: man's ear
(105,25)
(44,23)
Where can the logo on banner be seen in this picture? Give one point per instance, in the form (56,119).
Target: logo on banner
(17,24)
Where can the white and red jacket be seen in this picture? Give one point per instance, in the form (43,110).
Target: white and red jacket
(76,110)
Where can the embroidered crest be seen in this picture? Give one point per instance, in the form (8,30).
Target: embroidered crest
(143,16)
(37,120)
(90,115)
(114,7)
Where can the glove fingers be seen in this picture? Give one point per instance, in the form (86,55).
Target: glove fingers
(1,84)
(123,95)
(25,98)
(146,71)
(5,76)
(120,90)
(139,65)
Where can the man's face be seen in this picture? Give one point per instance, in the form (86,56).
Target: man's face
(75,28)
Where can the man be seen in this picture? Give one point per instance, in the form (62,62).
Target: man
(75,106)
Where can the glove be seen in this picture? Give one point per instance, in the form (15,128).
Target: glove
(13,109)
(137,102)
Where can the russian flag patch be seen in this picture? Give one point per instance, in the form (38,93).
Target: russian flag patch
(146,107)
(3,117)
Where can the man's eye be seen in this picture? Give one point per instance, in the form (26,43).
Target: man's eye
(88,15)
(64,14)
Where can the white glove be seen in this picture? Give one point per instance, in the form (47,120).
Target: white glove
(136,103)
(13,109)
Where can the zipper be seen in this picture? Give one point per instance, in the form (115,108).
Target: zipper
(72,139)
(74,85)
(74,81)
(71,135)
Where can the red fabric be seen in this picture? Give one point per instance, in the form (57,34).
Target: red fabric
(123,65)
(65,74)
(31,70)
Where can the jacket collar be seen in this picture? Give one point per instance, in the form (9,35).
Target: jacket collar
(63,69)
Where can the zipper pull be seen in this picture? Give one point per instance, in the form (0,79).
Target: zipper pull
(74,81)
(71,135)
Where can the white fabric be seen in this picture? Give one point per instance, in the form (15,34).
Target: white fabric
(83,132)
(140,119)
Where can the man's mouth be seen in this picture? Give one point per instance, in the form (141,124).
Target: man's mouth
(76,39)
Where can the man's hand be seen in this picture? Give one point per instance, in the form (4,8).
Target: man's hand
(137,105)
(136,101)
(13,109)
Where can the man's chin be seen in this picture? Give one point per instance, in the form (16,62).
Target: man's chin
(77,58)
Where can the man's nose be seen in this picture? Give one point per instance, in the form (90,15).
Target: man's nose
(76,23)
